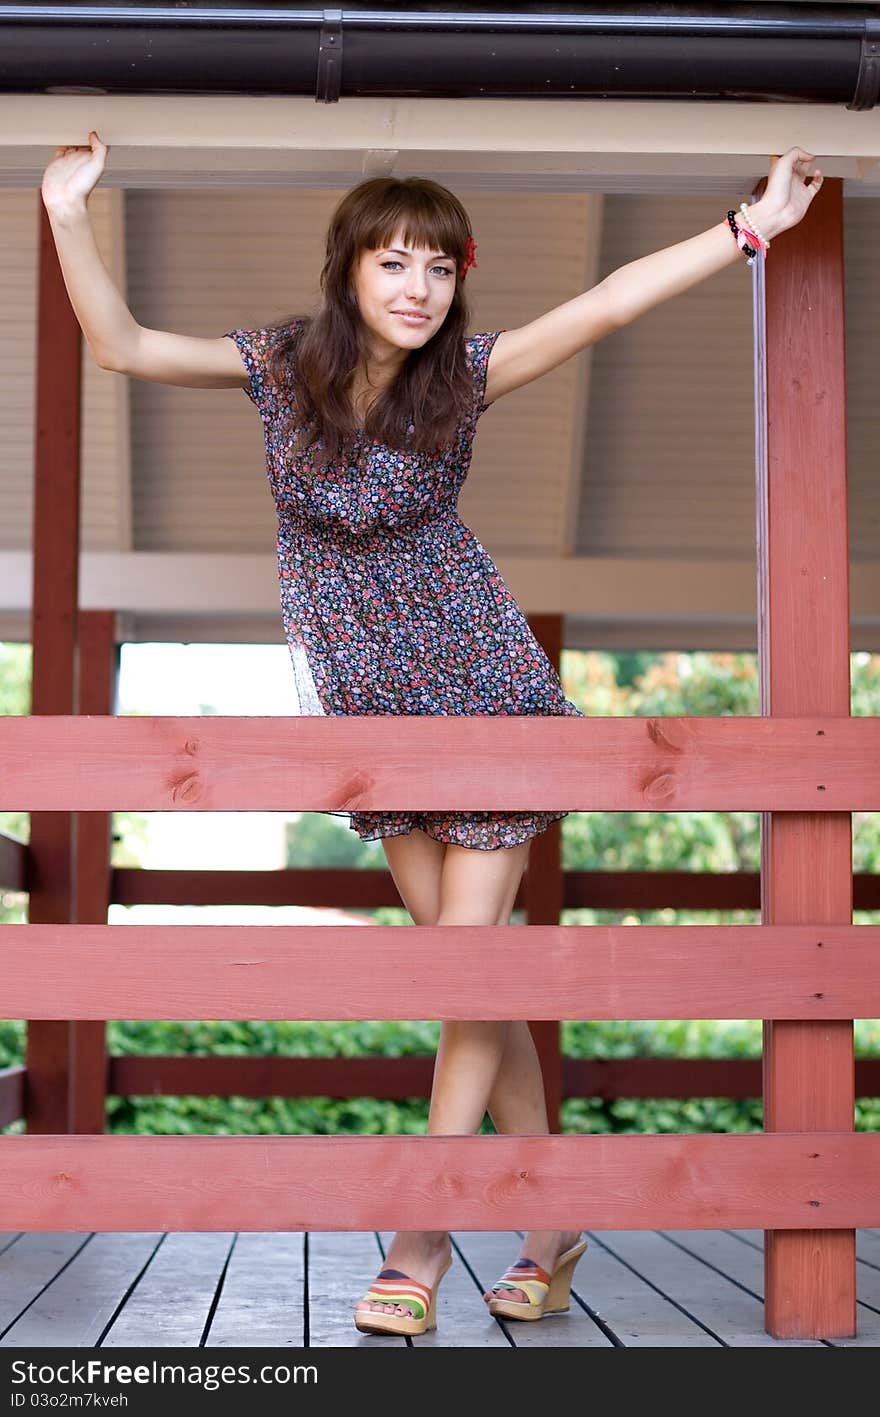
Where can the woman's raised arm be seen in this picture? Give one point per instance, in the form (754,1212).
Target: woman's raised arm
(523,354)
(115,338)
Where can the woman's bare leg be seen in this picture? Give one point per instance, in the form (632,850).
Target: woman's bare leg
(518,1104)
(515,1096)
(415,861)
(476,888)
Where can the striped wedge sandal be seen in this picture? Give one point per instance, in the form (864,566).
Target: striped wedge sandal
(547,1293)
(391,1286)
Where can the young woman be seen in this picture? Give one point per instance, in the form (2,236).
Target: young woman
(390,603)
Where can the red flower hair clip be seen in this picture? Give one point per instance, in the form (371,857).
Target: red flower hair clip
(470,258)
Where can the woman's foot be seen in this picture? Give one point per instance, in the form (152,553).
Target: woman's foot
(543,1248)
(420,1256)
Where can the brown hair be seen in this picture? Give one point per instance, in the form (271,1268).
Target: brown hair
(316,360)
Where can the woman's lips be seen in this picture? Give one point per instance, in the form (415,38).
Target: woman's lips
(411,318)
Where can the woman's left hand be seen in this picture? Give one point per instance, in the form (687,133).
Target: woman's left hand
(791,186)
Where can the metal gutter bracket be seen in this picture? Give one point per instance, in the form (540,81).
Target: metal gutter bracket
(329,77)
(868,78)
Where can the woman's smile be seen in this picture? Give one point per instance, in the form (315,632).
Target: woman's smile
(411,317)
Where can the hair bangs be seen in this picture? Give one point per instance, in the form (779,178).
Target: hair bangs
(420,221)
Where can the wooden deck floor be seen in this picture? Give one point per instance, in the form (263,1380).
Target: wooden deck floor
(688,1289)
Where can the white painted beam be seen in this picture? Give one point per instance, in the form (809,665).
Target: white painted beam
(582,145)
(598,587)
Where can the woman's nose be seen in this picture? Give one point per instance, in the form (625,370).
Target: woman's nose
(417,285)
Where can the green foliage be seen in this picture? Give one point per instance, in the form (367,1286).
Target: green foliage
(630,665)
(11,1042)
(320,839)
(15,698)
(15,677)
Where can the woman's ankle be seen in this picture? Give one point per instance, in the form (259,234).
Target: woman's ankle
(548,1244)
(426,1242)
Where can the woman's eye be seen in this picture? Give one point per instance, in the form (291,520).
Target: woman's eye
(444,270)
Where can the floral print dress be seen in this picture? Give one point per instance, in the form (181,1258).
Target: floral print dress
(390,604)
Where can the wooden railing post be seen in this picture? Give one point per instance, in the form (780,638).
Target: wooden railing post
(97,695)
(543,894)
(53,634)
(803,628)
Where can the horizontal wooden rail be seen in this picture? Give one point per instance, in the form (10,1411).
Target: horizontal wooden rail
(222,1075)
(12,1082)
(796,1181)
(348,887)
(13,861)
(198,1075)
(441,763)
(440,971)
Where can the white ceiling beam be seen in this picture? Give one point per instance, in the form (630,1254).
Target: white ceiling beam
(581,145)
(600,587)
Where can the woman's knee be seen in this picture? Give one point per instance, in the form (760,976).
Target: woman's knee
(465,1030)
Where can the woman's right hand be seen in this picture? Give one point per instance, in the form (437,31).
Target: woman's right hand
(72,173)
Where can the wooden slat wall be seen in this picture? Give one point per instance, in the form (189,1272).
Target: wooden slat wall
(18,283)
(201,264)
(861,226)
(535,255)
(104,398)
(669,455)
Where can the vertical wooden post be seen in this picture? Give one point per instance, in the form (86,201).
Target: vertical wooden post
(803,630)
(53,634)
(543,893)
(97,695)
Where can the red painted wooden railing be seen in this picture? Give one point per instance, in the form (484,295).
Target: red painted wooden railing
(809,1181)
(408,1076)
(804,1180)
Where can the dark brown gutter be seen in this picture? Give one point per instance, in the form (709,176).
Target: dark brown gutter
(750,53)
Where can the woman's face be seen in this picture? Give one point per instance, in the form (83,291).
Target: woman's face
(403,294)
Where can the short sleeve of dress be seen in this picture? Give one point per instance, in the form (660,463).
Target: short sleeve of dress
(480,347)
(255,347)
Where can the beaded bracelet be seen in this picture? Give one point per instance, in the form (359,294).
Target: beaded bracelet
(753,225)
(750,252)
(754,240)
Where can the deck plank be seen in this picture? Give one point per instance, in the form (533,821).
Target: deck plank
(868,1246)
(726,1310)
(262,1298)
(489,1253)
(342,1266)
(676,1288)
(638,1316)
(28,1264)
(170,1304)
(76,1307)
